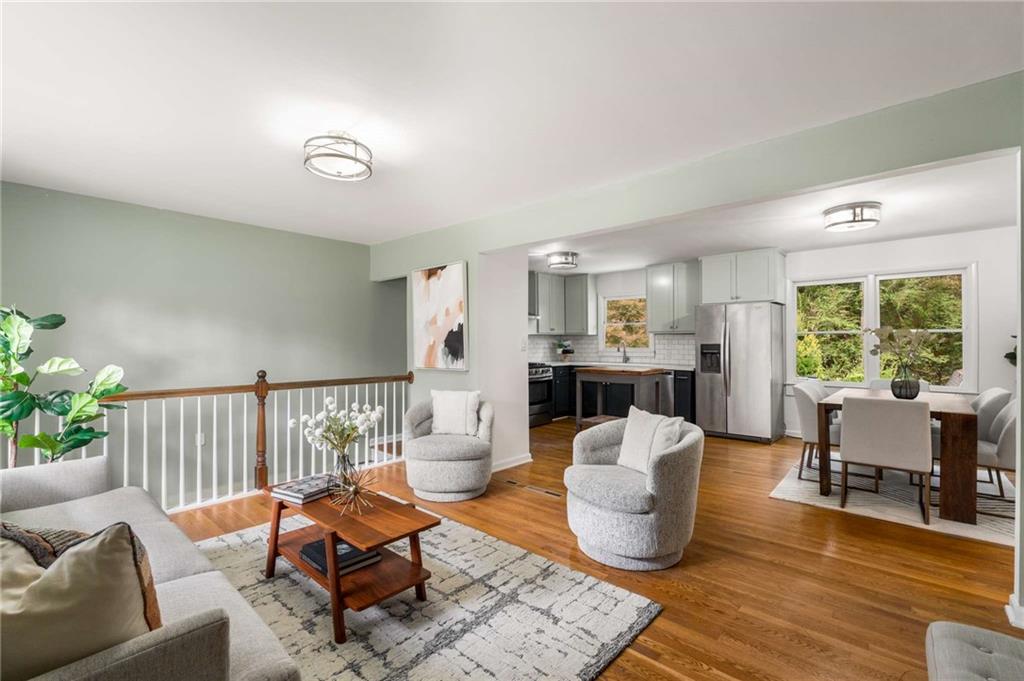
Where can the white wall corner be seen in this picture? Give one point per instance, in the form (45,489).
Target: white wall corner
(511,461)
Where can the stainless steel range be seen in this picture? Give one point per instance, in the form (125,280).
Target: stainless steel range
(542,404)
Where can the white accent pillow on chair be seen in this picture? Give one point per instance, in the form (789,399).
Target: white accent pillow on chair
(455,412)
(647,434)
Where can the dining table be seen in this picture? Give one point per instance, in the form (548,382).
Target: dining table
(958,459)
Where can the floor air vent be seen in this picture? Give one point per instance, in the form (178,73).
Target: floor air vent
(534,488)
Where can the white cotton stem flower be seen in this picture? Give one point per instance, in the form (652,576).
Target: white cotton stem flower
(292,423)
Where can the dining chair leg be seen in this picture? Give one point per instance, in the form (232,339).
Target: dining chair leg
(842,486)
(926,508)
(990,480)
(803,460)
(999,479)
(878,476)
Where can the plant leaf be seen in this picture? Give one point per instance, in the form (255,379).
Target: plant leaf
(78,436)
(19,374)
(6,428)
(83,408)
(112,405)
(18,332)
(106,378)
(60,366)
(115,390)
(55,402)
(40,441)
(17,404)
(48,321)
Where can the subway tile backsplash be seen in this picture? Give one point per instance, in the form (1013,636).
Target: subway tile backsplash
(671,350)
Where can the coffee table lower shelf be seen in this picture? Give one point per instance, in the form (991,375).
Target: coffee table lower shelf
(366,586)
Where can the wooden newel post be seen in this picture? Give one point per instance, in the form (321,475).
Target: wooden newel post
(262,389)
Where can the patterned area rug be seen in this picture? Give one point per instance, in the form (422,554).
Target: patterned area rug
(493,611)
(897,502)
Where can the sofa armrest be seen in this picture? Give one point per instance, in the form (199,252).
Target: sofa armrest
(194,648)
(600,444)
(53,483)
(486,421)
(417,420)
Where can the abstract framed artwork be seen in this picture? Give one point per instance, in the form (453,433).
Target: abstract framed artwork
(439,334)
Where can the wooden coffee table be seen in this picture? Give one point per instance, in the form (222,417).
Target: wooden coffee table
(387,522)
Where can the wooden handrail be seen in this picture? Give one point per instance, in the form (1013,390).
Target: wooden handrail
(329,382)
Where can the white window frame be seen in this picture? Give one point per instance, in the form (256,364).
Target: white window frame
(634,352)
(870,318)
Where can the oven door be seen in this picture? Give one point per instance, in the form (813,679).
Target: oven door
(541,391)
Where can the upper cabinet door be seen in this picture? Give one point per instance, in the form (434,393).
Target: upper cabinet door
(754,275)
(556,316)
(685,296)
(543,302)
(717,278)
(577,304)
(659,299)
(531,300)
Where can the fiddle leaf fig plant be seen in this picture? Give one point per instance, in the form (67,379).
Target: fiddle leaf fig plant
(18,402)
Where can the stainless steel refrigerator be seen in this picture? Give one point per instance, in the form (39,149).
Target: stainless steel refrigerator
(739,370)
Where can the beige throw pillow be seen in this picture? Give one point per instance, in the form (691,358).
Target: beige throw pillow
(647,434)
(455,412)
(63,598)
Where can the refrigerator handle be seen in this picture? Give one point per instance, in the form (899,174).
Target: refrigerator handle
(726,358)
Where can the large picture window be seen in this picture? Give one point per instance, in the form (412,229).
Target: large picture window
(934,303)
(625,321)
(829,319)
(830,316)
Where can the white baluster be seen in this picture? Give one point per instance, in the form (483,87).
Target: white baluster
(323,452)
(145,445)
(125,448)
(36,452)
(404,385)
(288,436)
(199,450)
(214,489)
(384,423)
(396,419)
(231,447)
(375,432)
(106,440)
(163,454)
(181,451)
(245,445)
(299,434)
(276,477)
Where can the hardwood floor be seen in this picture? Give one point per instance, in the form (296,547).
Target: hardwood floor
(766,590)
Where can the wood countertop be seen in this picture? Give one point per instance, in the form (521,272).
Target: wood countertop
(623,371)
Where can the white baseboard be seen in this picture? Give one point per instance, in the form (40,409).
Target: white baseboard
(794,433)
(1014,612)
(511,461)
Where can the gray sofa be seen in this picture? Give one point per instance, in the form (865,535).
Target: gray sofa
(960,652)
(209,632)
(446,467)
(624,518)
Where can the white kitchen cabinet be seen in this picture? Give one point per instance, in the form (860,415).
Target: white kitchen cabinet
(580,305)
(673,291)
(744,277)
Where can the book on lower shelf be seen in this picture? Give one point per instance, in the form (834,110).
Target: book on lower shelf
(350,558)
(302,490)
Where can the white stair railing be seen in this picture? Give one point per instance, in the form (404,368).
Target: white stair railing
(185,448)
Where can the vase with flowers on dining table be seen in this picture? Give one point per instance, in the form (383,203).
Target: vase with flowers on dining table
(900,348)
(337,429)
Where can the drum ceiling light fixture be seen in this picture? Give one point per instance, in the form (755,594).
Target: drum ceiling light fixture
(851,217)
(338,156)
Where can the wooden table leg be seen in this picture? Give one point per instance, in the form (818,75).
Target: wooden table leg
(579,403)
(417,558)
(275,529)
(824,452)
(334,579)
(958,491)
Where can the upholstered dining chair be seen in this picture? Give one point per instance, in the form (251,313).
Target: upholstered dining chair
(892,434)
(987,406)
(807,395)
(997,447)
(886,383)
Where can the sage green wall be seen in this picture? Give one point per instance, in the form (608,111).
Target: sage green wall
(181,300)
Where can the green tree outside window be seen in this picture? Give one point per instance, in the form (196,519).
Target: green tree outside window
(626,322)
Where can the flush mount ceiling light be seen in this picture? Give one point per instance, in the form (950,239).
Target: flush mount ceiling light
(338,156)
(562,260)
(851,217)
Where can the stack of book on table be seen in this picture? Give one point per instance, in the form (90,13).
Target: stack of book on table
(303,490)
(349,557)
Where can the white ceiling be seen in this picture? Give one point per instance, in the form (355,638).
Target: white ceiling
(470,109)
(979,194)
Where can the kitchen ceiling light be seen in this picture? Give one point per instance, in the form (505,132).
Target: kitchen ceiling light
(562,260)
(338,156)
(851,217)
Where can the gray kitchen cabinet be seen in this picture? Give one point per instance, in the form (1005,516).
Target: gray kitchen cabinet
(556,305)
(580,305)
(744,277)
(673,291)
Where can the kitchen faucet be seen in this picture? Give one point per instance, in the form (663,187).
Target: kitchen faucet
(622,349)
